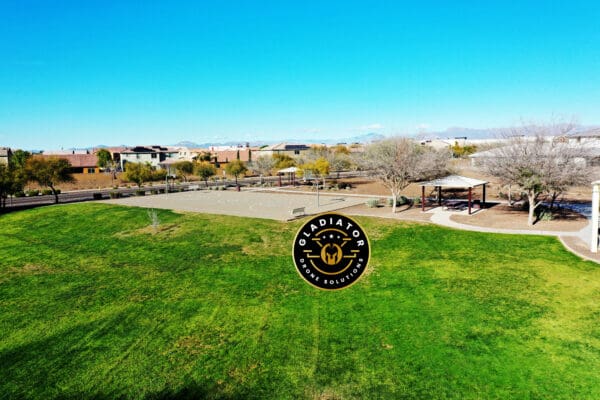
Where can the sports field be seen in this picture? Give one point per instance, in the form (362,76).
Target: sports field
(96,303)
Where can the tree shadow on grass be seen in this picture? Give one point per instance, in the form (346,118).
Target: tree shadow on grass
(195,390)
(44,369)
(35,369)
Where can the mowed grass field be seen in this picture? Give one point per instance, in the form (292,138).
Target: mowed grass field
(95,303)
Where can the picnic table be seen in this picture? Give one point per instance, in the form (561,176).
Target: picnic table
(454,205)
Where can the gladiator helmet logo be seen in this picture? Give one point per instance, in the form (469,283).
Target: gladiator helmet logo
(331,251)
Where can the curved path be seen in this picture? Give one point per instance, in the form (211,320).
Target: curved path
(575,242)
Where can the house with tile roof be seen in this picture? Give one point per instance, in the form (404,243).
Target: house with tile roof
(81,162)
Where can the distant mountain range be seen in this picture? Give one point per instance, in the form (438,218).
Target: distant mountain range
(450,133)
(470,133)
(366,138)
(491,133)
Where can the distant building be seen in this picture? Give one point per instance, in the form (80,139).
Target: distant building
(5,155)
(225,156)
(115,152)
(438,144)
(284,149)
(590,157)
(591,136)
(154,155)
(65,152)
(81,162)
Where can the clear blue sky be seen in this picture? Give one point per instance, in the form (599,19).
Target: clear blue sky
(80,73)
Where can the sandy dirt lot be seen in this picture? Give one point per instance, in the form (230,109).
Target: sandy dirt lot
(504,217)
(270,205)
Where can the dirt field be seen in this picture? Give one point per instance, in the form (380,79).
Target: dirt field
(402,213)
(271,205)
(504,217)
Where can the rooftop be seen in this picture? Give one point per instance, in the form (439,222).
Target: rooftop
(454,181)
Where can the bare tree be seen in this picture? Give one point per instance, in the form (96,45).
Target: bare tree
(263,166)
(339,159)
(540,161)
(397,162)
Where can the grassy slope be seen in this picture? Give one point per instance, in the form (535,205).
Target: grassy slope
(93,303)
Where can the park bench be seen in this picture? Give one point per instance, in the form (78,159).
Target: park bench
(298,212)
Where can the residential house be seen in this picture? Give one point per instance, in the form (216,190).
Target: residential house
(154,155)
(590,152)
(591,136)
(5,155)
(115,153)
(284,149)
(82,162)
(225,156)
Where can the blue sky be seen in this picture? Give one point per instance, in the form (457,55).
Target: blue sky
(81,73)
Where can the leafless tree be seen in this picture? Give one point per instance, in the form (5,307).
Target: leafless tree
(263,166)
(540,160)
(397,162)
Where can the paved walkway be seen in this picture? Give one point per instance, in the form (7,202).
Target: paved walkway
(575,242)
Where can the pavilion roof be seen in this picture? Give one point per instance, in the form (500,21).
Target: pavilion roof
(454,181)
(288,170)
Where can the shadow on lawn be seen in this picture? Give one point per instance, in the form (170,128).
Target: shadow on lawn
(195,391)
(191,391)
(39,369)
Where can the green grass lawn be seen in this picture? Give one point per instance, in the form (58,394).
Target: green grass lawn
(95,303)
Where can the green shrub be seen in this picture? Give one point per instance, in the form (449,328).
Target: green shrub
(159,175)
(546,215)
(161,191)
(416,200)
(97,196)
(33,192)
(140,192)
(372,203)
(20,194)
(46,192)
(400,201)
(57,191)
(115,195)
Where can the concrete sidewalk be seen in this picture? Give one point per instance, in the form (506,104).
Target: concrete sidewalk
(576,242)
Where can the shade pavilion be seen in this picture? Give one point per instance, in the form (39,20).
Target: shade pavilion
(291,171)
(457,182)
